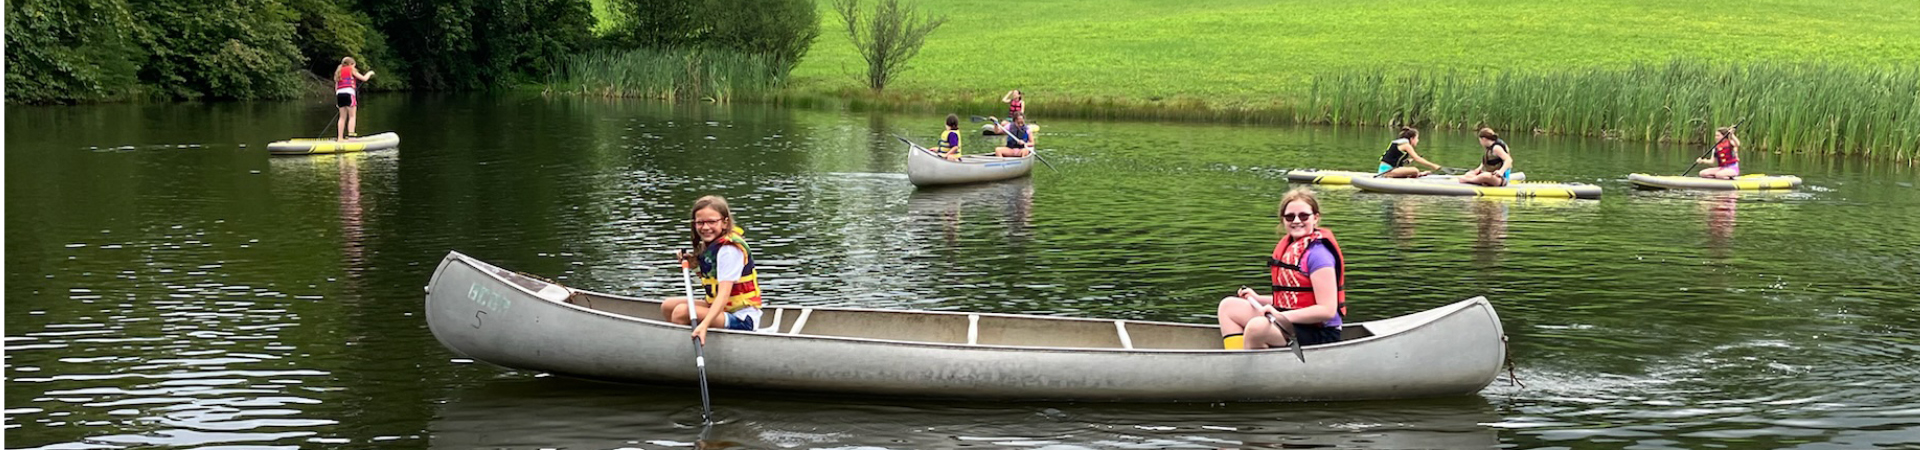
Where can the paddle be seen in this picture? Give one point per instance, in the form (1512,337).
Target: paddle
(1696,161)
(1286,330)
(1023,142)
(699,349)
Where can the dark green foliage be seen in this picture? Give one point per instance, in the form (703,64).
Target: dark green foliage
(473,44)
(781,30)
(231,49)
(327,31)
(62,51)
(887,36)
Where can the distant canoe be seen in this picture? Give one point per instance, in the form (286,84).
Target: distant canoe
(506,318)
(1346,177)
(1518,189)
(304,146)
(925,168)
(1755,182)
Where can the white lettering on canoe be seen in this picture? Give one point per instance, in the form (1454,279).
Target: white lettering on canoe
(488,299)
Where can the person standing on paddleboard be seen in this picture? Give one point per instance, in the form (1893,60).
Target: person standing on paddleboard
(346,83)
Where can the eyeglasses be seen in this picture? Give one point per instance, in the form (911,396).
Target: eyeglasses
(1297,217)
(701,223)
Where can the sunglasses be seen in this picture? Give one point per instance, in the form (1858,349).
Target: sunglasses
(1297,217)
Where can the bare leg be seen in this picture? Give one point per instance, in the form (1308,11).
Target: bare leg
(340,125)
(1234,314)
(1262,334)
(675,310)
(353,113)
(1401,172)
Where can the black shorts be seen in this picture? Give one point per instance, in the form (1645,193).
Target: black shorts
(344,100)
(1316,335)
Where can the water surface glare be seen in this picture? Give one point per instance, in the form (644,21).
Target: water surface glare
(169,285)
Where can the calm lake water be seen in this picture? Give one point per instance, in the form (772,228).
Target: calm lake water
(169,284)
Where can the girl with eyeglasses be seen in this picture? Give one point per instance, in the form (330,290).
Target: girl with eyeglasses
(1309,285)
(726,273)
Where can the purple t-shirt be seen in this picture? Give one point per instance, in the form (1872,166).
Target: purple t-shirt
(1319,257)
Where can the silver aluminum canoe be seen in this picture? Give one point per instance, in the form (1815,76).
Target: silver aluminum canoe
(498,316)
(925,168)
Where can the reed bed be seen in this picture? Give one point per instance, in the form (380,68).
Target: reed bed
(1810,107)
(672,75)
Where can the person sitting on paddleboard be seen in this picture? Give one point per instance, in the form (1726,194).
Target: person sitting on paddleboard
(1725,157)
(1496,167)
(346,81)
(1309,285)
(949,146)
(1396,163)
(1019,139)
(725,269)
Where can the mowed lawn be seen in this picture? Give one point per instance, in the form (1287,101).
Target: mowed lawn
(1247,53)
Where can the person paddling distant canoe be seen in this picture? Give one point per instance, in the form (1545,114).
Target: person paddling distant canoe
(1396,162)
(1725,159)
(726,272)
(1019,139)
(1496,166)
(949,146)
(346,81)
(1309,285)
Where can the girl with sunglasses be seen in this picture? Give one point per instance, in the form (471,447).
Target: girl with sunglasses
(1309,285)
(726,273)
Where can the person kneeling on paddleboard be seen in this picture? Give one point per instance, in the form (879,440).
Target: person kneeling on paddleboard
(1309,286)
(1725,159)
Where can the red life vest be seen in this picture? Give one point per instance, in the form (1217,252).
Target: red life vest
(1291,287)
(1723,153)
(1015,106)
(344,78)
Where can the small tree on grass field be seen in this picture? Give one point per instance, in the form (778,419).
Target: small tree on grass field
(887,38)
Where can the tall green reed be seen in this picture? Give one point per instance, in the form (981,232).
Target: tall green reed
(1807,107)
(670,74)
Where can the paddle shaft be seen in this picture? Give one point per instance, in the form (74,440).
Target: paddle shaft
(1293,340)
(699,349)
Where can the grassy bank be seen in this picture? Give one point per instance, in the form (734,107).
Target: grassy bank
(1590,67)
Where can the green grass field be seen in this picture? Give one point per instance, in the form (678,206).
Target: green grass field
(1514,64)
(1248,53)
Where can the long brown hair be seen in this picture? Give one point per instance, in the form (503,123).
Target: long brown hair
(1298,194)
(1409,133)
(717,204)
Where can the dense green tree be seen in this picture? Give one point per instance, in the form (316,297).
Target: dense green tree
(778,29)
(327,30)
(228,49)
(61,51)
(472,44)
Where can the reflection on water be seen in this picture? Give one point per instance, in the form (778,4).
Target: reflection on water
(183,290)
(550,413)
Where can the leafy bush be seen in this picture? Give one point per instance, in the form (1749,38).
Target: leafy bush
(62,51)
(781,30)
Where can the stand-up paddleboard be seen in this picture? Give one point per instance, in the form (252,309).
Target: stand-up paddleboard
(380,141)
(1346,176)
(1755,182)
(1518,189)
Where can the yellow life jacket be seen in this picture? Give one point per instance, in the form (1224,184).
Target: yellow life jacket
(746,291)
(943,149)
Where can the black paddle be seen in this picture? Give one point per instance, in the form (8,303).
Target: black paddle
(1009,133)
(699,349)
(1696,161)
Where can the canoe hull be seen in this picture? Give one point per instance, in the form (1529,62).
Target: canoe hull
(1743,183)
(1517,189)
(492,315)
(924,168)
(380,141)
(1346,177)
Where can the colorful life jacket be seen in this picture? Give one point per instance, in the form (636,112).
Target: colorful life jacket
(1016,106)
(1292,289)
(1492,160)
(1723,153)
(746,291)
(343,79)
(949,137)
(1394,156)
